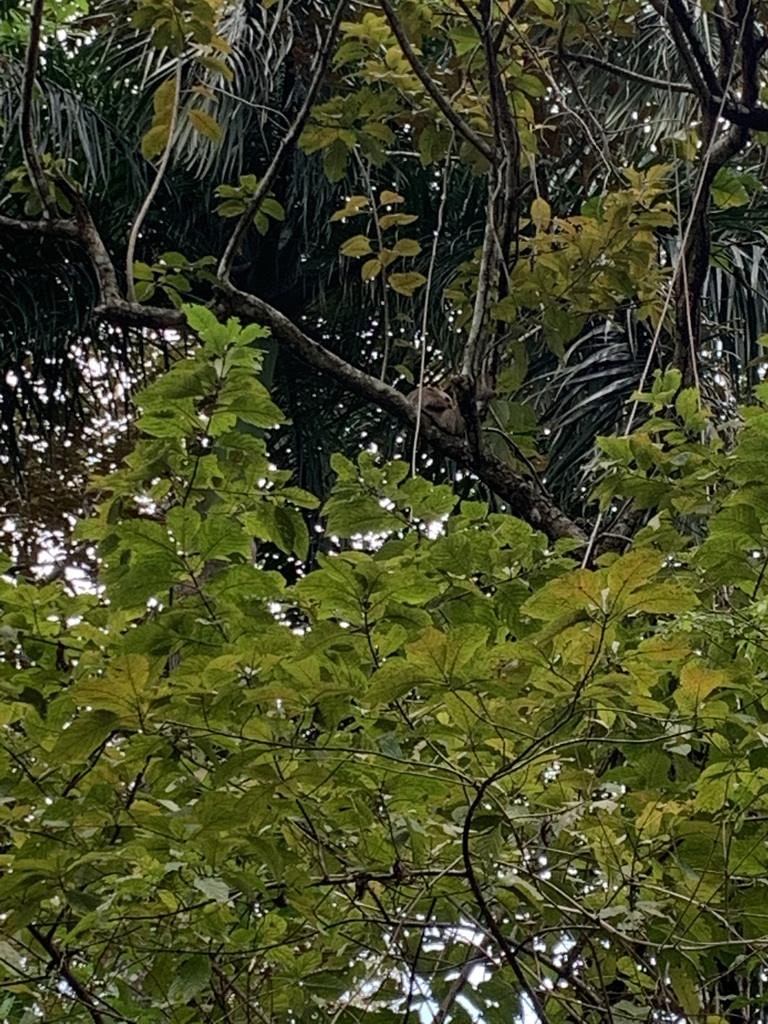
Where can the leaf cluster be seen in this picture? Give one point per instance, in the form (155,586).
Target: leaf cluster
(447,744)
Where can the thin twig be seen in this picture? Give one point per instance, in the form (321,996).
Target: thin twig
(29,149)
(427,293)
(59,962)
(285,146)
(365,171)
(148,199)
(473,960)
(632,76)
(485,276)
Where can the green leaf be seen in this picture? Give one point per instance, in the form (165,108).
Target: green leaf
(541,214)
(206,125)
(407,247)
(335,160)
(192,977)
(371,269)
(83,736)
(391,220)
(686,989)
(153,143)
(406,283)
(214,888)
(358,245)
(272,208)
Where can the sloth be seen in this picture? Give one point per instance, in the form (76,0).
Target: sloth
(440,407)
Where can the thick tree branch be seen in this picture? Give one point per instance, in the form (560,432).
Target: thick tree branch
(524,497)
(93,244)
(133,314)
(286,144)
(715,100)
(676,14)
(58,227)
(81,228)
(451,115)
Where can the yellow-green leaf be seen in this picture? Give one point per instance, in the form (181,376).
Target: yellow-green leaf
(217,65)
(541,213)
(206,125)
(143,271)
(231,208)
(407,247)
(155,141)
(357,245)
(700,682)
(390,220)
(163,101)
(353,206)
(388,197)
(370,269)
(407,283)
(686,991)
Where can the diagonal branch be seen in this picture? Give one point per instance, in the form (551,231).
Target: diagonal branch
(526,499)
(59,962)
(632,76)
(451,115)
(285,146)
(701,72)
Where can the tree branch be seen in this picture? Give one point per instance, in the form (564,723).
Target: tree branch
(481,357)
(486,277)
(59,962)
(741,42)
(286,143)
(474,959)
(458,122)
(162,168)
(744,112)
(58,227)
(524,497)
(676,15)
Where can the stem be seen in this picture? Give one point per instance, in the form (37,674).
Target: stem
(31,156)
(365,171)
(148,199)
(427,291)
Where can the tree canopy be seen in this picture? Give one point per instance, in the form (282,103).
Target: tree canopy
(416,664)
